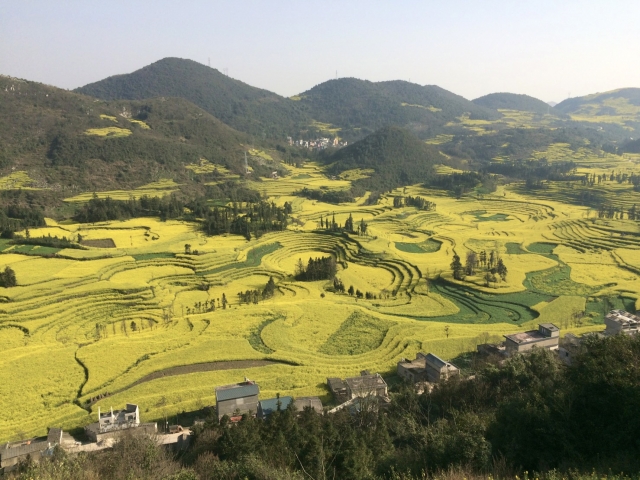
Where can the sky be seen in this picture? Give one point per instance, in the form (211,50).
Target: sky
(548,49)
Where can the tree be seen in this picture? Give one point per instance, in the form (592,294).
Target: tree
(224,301)
(8,278)
(447,330)
(187,249)
(134,327)
(269,289)
(351,291)
(501,269)
(471,263)
(457,268)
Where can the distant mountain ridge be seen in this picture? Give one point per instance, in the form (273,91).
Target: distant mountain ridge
(573,105)
(514,101)
(241,106)
(361,107)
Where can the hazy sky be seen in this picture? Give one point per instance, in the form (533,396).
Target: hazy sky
(547,49)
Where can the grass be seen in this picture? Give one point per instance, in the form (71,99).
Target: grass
(430,246)
(16,180)
(360,333)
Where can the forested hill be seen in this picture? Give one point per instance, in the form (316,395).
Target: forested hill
(359,107)
(70,142)
(245,108)
(602,103)
(396,156)
(514,101)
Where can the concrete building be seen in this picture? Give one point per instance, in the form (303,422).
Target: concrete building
(366,385)
(338,389)
(313,403)
(620,321)
(113,423)
(267,407)
(547,336)
(426,368)
(237,399)
(11,454)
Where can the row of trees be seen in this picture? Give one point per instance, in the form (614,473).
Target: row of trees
(252,219)
(349,225)
(104,209)
(418,202)
(254,296)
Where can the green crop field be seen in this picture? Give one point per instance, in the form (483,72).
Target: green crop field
(98,321)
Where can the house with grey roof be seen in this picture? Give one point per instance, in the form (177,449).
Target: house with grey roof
(426,368)
(546,336)
(237,399)
(621,321)
(110,424)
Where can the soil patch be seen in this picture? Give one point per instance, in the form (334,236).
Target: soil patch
(99,243)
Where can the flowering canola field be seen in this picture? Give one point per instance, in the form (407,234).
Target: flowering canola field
(98,322)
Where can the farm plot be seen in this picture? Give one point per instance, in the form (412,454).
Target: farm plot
(109,318)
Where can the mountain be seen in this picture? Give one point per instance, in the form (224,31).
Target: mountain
(67,142)
(396,156)
(514,101)
(613,102)
(359,107)
(243,107)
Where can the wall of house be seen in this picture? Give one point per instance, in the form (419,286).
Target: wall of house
(243,405)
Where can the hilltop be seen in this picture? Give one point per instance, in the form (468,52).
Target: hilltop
(514,101)
(69,142)
(617,108)
(356,107)
(396,156)
(243,107)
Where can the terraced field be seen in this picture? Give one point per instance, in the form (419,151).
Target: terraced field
(97,327)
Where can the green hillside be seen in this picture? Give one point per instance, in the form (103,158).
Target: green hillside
(67,142)
(243,107)
(619,108)
(359,107)
(396,156)
(514,101)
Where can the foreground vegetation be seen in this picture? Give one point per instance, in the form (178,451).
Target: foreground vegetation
(530,414)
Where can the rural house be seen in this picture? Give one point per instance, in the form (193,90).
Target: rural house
(11,454)
(426,368)
(620,321)
(267,407)
(237,399)
(546,336)
(357,393)
(112,423)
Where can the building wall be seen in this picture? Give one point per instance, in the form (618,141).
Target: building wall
(143,428)
(243,405)
(526,347)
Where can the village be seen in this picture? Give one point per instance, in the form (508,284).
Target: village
(367,392)
(318,144)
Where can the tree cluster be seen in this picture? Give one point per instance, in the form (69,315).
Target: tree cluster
(492,266)
(323,268)
(251,219)
(8,278)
